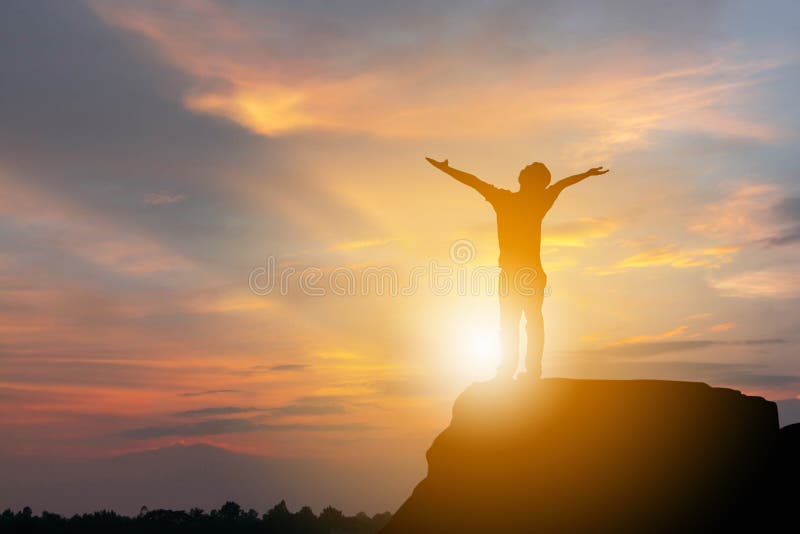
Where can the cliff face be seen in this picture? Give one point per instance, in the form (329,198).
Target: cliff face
(566,455)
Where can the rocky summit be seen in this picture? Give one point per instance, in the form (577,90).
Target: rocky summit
(601,455)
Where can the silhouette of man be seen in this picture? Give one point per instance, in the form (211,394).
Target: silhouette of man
(519,232)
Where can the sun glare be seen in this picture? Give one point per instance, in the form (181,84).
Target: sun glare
(482,351)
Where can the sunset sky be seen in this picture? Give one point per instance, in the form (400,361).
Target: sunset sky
(153,154)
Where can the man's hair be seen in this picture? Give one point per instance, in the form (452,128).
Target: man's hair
(535,174)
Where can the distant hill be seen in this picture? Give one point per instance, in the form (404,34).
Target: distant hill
(561,455)
(202,476)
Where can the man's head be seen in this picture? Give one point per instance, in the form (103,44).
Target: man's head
(534,176)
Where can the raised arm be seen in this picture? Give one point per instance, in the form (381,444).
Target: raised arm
(465,178)
(572,180)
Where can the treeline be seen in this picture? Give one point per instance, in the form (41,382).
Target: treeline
(229,518)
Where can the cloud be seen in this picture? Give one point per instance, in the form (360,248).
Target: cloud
(202,428)
(307,409)
(163,198)
(208,392)
(774,283)
(655,348)
(754,376)
(216,410)
(746,376)
(299,408)
(366,243)
(765,380)
(224,299)
(92,125)
(722,327)
(741,216)
(787,212)
(577,233)
(675,256)
(289,367)
(755,213)
(69,367)
(652,337)
(236,426)
(789,237)
(646,349)
(789,209)
(406,387)
(265,77)
(88,236)
(755,216)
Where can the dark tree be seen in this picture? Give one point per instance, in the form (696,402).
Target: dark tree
(228,518)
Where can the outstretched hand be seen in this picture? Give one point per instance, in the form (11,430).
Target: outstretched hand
(441,165)
(596,171)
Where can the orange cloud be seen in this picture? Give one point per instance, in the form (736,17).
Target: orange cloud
(241,78)
(723,327)
(651,337)
(577,233)
(265,110)
(674,256)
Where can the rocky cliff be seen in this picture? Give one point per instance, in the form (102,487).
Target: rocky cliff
(591,455)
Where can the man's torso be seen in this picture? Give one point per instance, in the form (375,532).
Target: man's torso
(519,227)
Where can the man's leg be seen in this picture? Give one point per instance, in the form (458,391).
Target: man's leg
(534,328)
(510,312)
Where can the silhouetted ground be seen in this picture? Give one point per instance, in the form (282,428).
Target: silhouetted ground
(553,455)
(587,456)
(229,518)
